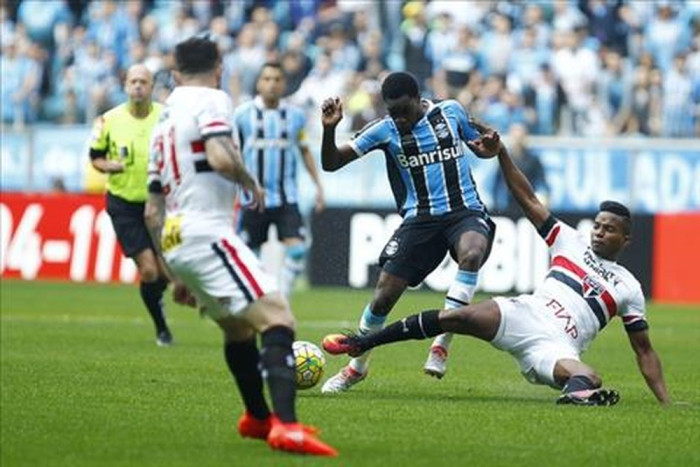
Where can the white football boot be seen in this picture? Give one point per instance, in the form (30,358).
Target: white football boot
(436,364)
(346,378)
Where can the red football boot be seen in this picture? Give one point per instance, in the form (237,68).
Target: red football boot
(338,344)
(251,427)
(297,438)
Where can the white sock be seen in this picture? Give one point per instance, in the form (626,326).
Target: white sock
(369,322)
(459,294)
(294,262)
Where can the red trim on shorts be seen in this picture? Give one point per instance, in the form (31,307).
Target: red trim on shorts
(244,269)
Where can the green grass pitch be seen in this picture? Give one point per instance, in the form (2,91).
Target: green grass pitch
(83,384)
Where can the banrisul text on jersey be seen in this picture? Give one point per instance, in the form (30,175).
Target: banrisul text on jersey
(426,167)
(431,157)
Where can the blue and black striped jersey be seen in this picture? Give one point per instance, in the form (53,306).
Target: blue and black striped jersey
(427,168)
(271,141)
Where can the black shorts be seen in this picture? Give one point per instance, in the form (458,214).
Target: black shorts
(286,219)
(129,225)
(419,245)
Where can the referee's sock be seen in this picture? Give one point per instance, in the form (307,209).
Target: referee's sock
(152,296)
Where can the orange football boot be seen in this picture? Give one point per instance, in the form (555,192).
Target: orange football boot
(297,438)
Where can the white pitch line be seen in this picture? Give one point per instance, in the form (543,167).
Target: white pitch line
(91,320)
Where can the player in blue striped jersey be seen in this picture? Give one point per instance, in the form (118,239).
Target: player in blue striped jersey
(273,137)
(424,147)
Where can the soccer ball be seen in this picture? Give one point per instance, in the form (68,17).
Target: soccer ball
(309,362)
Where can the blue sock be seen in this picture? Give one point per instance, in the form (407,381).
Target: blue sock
(371,322)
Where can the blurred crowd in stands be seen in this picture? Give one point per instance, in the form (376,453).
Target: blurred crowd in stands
(586,67)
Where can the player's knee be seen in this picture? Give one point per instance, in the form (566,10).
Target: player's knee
(234,331)
(147,266)
(281,322)
(148,273)
(458,319)
(596,380)
(471,259)
(276,312)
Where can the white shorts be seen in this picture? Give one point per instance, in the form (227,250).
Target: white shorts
(536,341)
(221,271)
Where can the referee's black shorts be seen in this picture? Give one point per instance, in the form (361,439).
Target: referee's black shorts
(419,245)
(129,225)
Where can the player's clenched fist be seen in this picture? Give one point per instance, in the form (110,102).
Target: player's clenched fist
(331,111)
(487,144)
(257,202)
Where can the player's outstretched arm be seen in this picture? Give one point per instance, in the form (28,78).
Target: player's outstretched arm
(522,190)
(332,156)
(225,158)
(649,365)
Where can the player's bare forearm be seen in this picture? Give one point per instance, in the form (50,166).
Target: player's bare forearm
(522,190)
(650,367)
(224,157)
(105,166)
(330,159)
(241,175)
(310,165)
(332,156)
(649,364)
(154,215)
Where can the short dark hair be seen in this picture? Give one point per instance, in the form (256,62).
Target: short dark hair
(398,84)
(618,209)
(272,64)
(198,54)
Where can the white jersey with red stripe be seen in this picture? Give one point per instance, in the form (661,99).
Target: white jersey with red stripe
(193,191)
(198,238)
(584,290)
